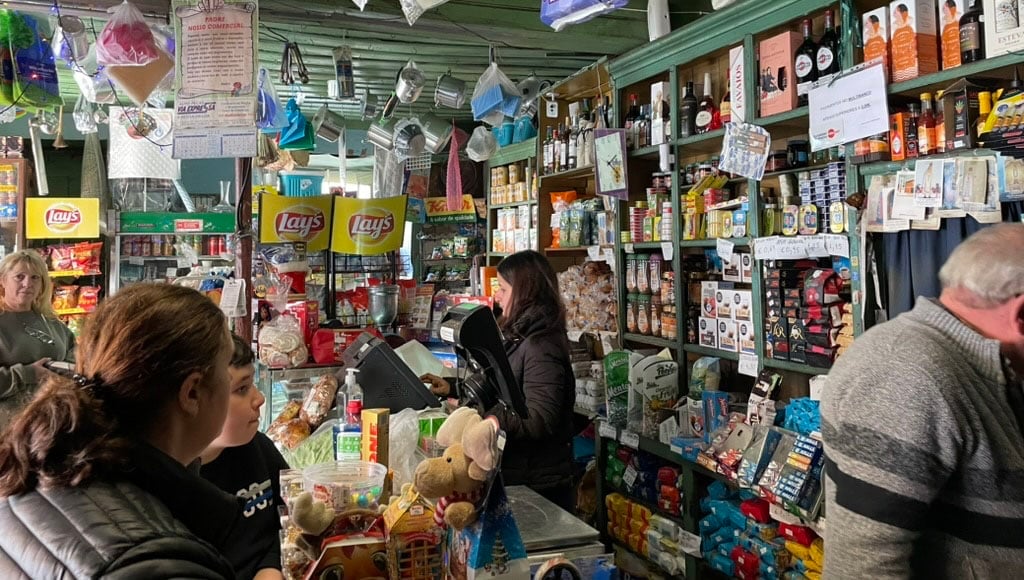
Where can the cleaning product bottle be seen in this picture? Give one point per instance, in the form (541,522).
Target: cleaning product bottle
(348,431)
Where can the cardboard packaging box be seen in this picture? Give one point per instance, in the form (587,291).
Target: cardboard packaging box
(949,31)
(960,101)
(723,301)
(876,38)
(708,301)
(375,435)
(731,269)
(1004,27)
(661,127)
(727,339)
(777,79)
(707,332)
(742,305)
(747,344)
(915,46)
(746,268)
(738,108)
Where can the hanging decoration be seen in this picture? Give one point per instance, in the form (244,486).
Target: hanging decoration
(413,9)
(345,83)
(299,133)
(453,185)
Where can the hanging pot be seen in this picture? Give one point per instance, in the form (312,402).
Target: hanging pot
(408,139)
(382,134)
(327,124)
(450,92)
(530,90)
(409,83)
(436,131)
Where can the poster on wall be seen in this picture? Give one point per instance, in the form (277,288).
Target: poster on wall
(215,76)
(367,227)
(140,144)
(62,217)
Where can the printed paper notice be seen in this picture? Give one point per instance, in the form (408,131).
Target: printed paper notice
(853,106)
(215,74)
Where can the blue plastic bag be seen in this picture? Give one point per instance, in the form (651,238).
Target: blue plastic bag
(561,13)
(270,115)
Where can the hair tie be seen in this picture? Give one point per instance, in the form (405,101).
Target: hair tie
(92,385)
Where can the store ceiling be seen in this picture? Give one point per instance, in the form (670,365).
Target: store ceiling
(455,36)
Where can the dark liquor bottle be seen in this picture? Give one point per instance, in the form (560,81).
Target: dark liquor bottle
(828,49)
(688,112)
(804,63)
(549,147)
(632,115)
(972,33)
(707,112)
(563,150)
(912,144)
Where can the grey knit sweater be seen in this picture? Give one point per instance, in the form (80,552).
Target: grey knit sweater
(925,454)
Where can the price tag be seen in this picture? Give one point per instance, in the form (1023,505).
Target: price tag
(629,476)
(609,256)
(780,248)
(629,248)
(171,273)
(551,109)
(608,341)
(748,365)
(575,335)
(668,250)
(837,245)
(136,261)
(629,439)
(230,297)
(184,263)
(724,248)
(594,253)
(606,430)
(816,247)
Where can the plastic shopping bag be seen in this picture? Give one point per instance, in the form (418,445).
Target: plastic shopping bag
(561,13)
(270,115)
(126,39)
(482,145)
(413,9)
(494,97)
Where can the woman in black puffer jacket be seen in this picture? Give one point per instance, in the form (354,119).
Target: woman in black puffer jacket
(93,477)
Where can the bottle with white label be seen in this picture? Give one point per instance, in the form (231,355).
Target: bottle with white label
(828,49)
(804,66)
(348,432)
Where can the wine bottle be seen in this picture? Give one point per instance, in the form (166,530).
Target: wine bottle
(688,112)
(706,109)
(574,144)
(828,49)
(549,144)
(972,33)
(631,116)
(804,66)
(563,150)
(725,108)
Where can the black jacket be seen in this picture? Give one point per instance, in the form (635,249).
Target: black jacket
(539,449)
(116,530)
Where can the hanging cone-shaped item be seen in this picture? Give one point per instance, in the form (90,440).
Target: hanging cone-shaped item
(453,189)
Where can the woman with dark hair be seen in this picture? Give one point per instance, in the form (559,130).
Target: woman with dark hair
(93,477)
(539,448)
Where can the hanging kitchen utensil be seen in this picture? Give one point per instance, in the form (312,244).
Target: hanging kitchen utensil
(327,124)
(450,91)
(382,134)
(409,83)
(436,131)
(58,140)
(292,66)
(34,132)
(530,89)
(343,72)
(408,139)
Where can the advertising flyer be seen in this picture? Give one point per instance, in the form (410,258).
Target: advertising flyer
(215,76)
(62,217)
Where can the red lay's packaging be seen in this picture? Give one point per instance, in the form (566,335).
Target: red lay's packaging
(329,344)
(60,257)
(88,297)
(86,256)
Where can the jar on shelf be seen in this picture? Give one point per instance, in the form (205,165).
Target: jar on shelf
(631,273)
(631,325)
(643,314)
(656,315)
(668,322)
(655,263)
(643,275)
(668,287)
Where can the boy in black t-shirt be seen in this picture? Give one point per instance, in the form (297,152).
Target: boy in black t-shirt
(244,462)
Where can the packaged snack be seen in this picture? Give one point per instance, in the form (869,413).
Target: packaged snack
(65,297)
(88,297)
(60,257)
(290,434)
(290,411)
(86,256)
(319,400)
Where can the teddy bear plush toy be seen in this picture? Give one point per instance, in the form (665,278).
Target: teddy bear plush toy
(472,451)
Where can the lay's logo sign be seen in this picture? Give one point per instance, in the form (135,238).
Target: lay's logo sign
(296,219)
(62,217)
(300,223)
(368,226)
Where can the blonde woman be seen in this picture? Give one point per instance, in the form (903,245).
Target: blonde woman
(30,334)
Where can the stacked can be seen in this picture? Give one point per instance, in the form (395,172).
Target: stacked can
(666,220)
(637,213)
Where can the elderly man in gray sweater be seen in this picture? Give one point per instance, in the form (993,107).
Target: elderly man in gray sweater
(922,422)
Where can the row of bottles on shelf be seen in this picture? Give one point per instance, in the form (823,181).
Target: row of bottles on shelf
(148,246)
(816,60)
(570,145)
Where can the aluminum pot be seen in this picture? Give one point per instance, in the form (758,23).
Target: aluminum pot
(384,304)
(437,131)
(327,124)
(450,92)
(409,83)
(382,134)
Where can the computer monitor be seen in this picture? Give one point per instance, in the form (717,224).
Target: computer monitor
(387,382)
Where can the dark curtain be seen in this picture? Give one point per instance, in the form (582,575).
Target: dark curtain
(909,262)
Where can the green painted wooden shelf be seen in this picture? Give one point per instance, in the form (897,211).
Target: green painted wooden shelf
(785,365)
(513,153)
(942,79)
(572,174)
(642,245)
(650,340)
(513,204)
(712,242)
(887,167)
(797,114)
(645,152)
(705,351)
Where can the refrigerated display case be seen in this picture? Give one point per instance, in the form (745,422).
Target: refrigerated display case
(148,246)
(15,179)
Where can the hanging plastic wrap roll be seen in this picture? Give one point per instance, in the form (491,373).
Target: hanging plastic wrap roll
(561,13)
(94,172)
(388,173)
